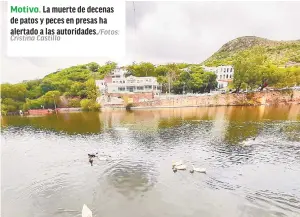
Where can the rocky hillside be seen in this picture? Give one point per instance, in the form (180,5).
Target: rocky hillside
(280,52)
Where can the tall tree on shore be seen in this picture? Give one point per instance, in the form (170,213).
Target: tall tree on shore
(248,66)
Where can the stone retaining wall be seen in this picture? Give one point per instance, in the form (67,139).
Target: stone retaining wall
(258,98)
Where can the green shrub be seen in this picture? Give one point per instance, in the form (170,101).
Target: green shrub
(89,105)
(74,103)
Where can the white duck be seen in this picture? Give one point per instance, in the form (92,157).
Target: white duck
(181,167)
(178,166)
(199,170)
(176,163)
(86,212)
(103,158)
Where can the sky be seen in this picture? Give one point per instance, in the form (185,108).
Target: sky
(164,32)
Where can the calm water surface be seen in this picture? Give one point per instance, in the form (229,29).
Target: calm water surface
(45,169)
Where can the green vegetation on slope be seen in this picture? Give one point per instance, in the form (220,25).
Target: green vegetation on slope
(75,86)
(254,68)
(279,52)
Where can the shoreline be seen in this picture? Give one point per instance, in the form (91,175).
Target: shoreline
(196,106)
(268,98)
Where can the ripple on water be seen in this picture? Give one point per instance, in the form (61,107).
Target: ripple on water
(43,187)
(275,200)
(131,177)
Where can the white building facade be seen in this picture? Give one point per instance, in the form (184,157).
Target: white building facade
(101,85)
(117,82)
(224,74)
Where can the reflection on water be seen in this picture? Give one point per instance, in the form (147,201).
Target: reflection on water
(252,156)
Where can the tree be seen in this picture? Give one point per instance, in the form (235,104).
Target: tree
(10,105)
(147,69)
(106,69)
(51,99)
(93,66)
(92,90)
(248,67)
(268,75)
(161,70)
(210,81)
(173,72)
(77,89)
(16,92)
(47,85)
(141,70)
(195,80)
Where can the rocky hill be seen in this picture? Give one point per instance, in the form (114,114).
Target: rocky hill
(280,52)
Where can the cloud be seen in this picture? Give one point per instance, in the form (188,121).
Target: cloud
(163,32)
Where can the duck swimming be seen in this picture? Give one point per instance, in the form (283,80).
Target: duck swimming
(199,170)
(91,161)
(174,169)
(92,155)
(86,212)
(180,167)
(178,163)
(91,158)
(103,158)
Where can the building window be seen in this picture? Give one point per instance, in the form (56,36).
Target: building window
(113,81)
(121,88)
(227,76)
(140,88)
(231,70)
(230,76)
(148,87)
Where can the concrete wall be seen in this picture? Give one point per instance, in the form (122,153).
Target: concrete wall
(136,97)
(40,111)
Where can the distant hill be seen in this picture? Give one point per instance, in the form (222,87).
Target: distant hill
(280,52)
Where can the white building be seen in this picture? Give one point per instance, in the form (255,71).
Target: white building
(210,69)
(101,85)
(224,74)
(117,82)
(134,84)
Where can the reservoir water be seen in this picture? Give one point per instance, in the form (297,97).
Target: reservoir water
(252,157)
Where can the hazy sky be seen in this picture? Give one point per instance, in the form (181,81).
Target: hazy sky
(174,32)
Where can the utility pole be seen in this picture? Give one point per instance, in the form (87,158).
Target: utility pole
(169,84)
(54,104)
